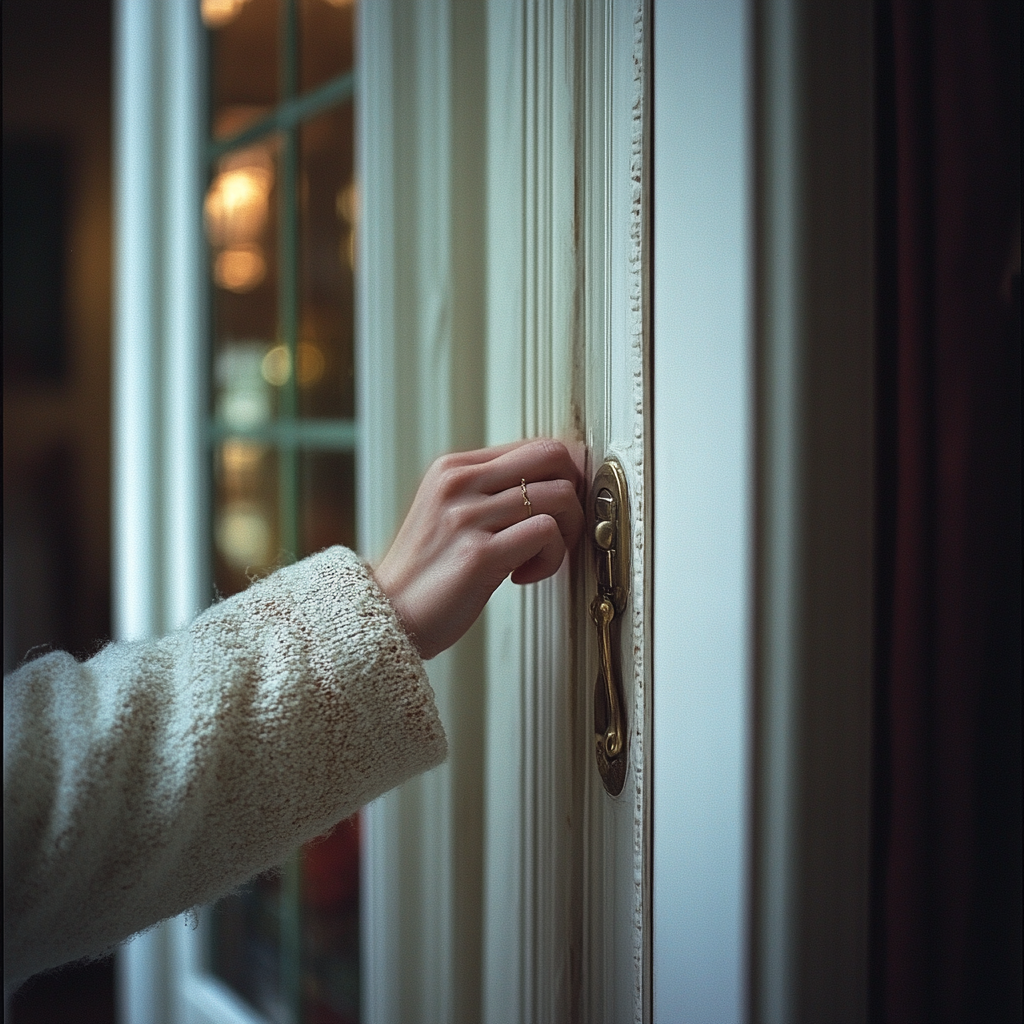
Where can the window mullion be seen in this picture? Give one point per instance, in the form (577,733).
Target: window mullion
(288,457)
(288,295)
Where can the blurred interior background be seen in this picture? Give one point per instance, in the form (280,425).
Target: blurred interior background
(57,318)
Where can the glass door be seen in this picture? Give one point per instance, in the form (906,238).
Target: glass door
(281,214)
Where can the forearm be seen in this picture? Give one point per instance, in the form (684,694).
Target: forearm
(158,775)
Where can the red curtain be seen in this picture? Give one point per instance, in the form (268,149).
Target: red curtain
(948,928)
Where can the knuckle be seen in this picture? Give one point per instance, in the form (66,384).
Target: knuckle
(452,519)
(451,481)
(443,463)
(565,492)
(552,534)
(550,447)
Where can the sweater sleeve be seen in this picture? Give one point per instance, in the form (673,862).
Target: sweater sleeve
(158,775)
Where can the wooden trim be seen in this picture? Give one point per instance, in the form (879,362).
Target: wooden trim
(420,359)
(529,899)
(567,929)
(161,573)
(614,397)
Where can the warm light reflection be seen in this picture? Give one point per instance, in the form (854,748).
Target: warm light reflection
(311,364)
(346,205)
(239,460)
(236,211)
(340,3)
(244,535)
(238,201)
(276,366)
(240,269)
(218,13)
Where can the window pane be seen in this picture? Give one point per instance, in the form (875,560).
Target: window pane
(246,523)
(328,500)
(330,927)
(241,216)
(245,948)
(328,225)
(244,61)
(326,38)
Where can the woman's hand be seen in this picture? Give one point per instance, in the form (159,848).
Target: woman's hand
(469,527)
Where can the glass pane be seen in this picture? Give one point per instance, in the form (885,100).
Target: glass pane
(330,927)
(246,524)
(244,61)
(328,500)
(326,40)
(240,214)
(245,933)
(328,235)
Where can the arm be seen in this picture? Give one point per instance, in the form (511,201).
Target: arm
(157,775)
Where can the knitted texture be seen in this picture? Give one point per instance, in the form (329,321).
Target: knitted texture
(160,774)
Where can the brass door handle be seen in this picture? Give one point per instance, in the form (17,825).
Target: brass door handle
(603,611)
(610,535)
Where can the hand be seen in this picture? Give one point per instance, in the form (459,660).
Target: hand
(468,528)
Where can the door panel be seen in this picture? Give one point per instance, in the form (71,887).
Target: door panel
(566,870)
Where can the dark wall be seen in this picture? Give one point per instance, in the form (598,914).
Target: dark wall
(56,400)
(57,201)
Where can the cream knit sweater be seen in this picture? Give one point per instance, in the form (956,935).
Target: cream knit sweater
(158,775)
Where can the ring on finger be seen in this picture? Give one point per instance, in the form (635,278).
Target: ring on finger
(526,498)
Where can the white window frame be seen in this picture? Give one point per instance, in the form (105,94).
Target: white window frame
(160,466)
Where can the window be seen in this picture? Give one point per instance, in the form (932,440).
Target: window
(280,215)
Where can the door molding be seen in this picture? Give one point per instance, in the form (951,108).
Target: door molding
(566,355)
(420,360)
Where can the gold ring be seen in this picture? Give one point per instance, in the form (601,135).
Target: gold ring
(526,497)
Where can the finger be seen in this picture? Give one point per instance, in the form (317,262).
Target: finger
(535,570)
(540,459)
(556,498)
(481,455)
(531,550)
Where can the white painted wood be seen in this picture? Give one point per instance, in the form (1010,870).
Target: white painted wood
(420,358)
(528,973)
(185,276)
(702,510)
(615,336)
(566,870)
(136,403)
(160,569)
(207,1001)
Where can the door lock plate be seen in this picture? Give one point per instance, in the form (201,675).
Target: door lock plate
(611,539)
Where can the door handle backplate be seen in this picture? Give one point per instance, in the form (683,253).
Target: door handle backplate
(610,537)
